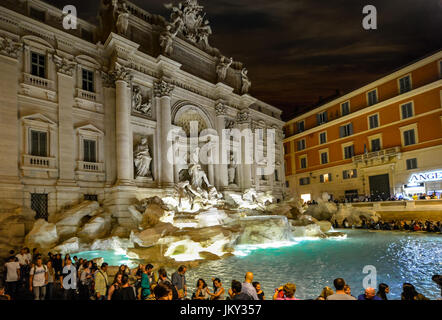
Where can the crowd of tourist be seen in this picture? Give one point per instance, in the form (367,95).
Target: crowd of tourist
(400,225)
(30,276)
(381,197)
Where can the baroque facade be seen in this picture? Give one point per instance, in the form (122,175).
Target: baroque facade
(85,112)
(383,139)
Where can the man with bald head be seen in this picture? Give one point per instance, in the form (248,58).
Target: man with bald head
(248,288)
(370,294)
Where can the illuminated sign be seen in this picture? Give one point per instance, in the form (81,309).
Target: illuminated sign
(426,177)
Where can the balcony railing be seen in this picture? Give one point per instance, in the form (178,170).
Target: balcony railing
(90,166)
(38,162)
(87,95)
(38,82)
(377,155)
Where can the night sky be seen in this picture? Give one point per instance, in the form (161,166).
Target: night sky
(299,50)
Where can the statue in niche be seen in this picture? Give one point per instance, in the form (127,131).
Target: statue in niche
(221,68)
(142,159)
(245,82)
(139,104)
(231,170)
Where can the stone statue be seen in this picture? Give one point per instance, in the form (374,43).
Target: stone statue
(221,68)
(245,82)
(138,104)
(142,159)
(231,170)
(166,39)
(121,14)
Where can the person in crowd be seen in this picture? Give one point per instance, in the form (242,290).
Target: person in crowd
(58,264)
(259,292)
(383,290)
(247,287)
(68,280)
(347,289)
(235,292)
(152,278)
(438,280)
(218,290)
(115,288)
(326,291)
(124,269)
(101,282)
(289,290)
(162,278)
(179,281)
(24,259)
(13,270)
(138,273)
(51,281)
(200,291)
(409,293)
(67,257)
(86,281)
(127,291)
(163,291)
(3,295)
(370,294)
(145,284)
(38,280)
(340,294)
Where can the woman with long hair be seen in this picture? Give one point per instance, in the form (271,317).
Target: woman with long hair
(51,280)
(409,293)
(218,290)
(201,291)
(383,290)
(326,291)
(114,290)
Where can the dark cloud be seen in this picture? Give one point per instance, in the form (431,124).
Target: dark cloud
(298,50)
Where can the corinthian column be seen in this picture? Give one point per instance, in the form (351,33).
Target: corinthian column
(162,92)
(221,179)
(243,119)
(123,131)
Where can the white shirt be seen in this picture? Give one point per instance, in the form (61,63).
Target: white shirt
(22,258)
(12,268)
(39,274)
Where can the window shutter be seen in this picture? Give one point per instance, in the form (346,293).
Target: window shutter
(329,177)
(325,117)
(341,132)
(321,178)
(350,129)
(344,174)
(355,173)
(318,118)
(34,143)
(43,144)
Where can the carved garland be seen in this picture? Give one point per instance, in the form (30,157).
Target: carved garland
(10,48)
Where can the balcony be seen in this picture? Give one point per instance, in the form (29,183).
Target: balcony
(30,161)
(87,95)
(383,155)
(35,81)
(92,167)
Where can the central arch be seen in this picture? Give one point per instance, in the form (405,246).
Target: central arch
(184,112)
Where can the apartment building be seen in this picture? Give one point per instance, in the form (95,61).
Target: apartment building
(382,139)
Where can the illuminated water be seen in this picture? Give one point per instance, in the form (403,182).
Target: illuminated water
(398,257)
(312,264)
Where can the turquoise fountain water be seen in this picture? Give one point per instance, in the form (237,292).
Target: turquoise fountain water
(312,264)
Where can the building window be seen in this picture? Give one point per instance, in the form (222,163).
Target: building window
(372,97)
(324,157)
(345,108)
(39,143)
(350,174)
(407,110)
(349,152)
(301,126)
(304,181)
(90,150)
(39,203)
(346,130)
(323,137)
(88,80)
(325,177)
(303,162)
(373,121)
(301,144)
(37,14)
(276,175)
(409,137)
(411,164)
(322,117)
(375,145)
(404,84)
(287,184)
(38,65)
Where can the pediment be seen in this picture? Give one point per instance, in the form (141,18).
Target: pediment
(89,128)
(39,118)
